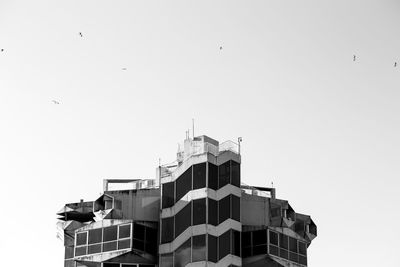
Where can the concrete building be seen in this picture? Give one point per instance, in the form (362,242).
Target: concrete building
(197,212)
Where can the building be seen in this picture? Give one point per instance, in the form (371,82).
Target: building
(197,212)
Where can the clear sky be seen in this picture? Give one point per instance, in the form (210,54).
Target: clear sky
(324,128)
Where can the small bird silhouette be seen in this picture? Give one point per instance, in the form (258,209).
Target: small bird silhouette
(80,34)
(395,64)
(56,102)
(2,50)
(220,48)
(354,57)
(123,68)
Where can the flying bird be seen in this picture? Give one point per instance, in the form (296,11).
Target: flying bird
(2,50)
(220,48)
(395,64)
(354,57)
(55,102)
(80,34)
(123,68)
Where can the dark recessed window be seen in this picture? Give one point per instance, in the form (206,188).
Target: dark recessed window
(79,251)
(183,184)
(224,244)
(246,239)
(224,174)
(109,246)
(167,230)
(166,260)
(273,238)
(95,236)
(293,257)
(274,250)
(293,244)
(92,249)
(212,176)
(259,250)
(124,231)
(236,243)
(283,241)
(125,243)
(183,219)
(302,260)
(212,248)
(110,264)
(224,209)
(302,248)
(69,252)
(246,252)
(235,173)
(212,212)
(199,248)
(199,176)
(259,237)
(138,231)
(235,208)
(199,211)
(182,254)
(168,195)
(138,244)
(110,233)
(81,238)
(151,235)
(283,253)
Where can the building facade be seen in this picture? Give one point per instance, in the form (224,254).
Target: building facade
(197,212)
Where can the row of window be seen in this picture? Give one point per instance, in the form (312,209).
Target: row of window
(195,178)
(195,213)
(195,249)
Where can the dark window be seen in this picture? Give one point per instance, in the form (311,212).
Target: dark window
(293,244)
(124,231)
(138,244)
(302,248)
(168,194)
(110,233)
(79,251)
(259,237)
(166,260)
(167,230)
(224,174)
(151,248)
(212,248)
(275,212)
(246,252)
(235,173)
(259,250)
(212,176)
(151,235)
(183,184)
(235,208)
(274,250)
(183,219)
(199,211)
(224,208)
(138,231)
(81,238)
(199,248)
(302,260)
(246,239)
(110,246)
(273,238)
(212,212)
(224,244)
(110,264)
(69,252)
(283,253)
(293,257)
(283,241)
(199,175)
(236,243)
(126,243)
(95,236)
(182,254)
(92,249)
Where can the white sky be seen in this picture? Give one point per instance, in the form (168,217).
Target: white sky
(323,128)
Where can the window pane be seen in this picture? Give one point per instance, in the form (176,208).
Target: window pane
(95,236)
(236,243)
(283,241)
(293,257)
(302,248)
(166,260)
(168,195)
(283,253)
(212,212)
(199,175)
(151,235)
(235,208)
(302,260)
(69,252)
(199,248)
(110,246)
(273,238)
(246,252)
(199,211)
(273,250)
(138,244)
(224,245)
(259,250)
(92,249)
(212,176)
(235,173)
(182,254)
(183,219)
(125,243)
(124,231)
(110,264)
(224,208)
(212,248)
(246,239)
(81,238)
(151,248)
(110,233)
(184,184)
(293,244)
(79,251)
(138,231)
(259,237)
(224,174)
(167,230)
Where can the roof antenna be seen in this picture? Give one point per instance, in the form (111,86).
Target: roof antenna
(272,184)
(193,128)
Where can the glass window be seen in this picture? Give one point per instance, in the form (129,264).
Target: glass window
(110,264)
(259,237)
(199,175)
(79,251)
(183,219)
(69,252)
(302,248)
(293,244)
(235,173)
(184,184)
(124,231)
(168,195)
(283,241)
(246,252)
(293,257)
(138,244)
(273,238)
(81,238)
(274,250)
(92,249)
(235,208)
(199,248)
(95,236)
(167,230)
(246,239)
(236,243)
(182,254)
(166,260)
(212,176)
(125,243)
(224,244)
(283,253)
(212,248)
(110,233)
(224,208)
(110,246)
(212,212)
(151,248)
(224,174)
(151,235)
(199,211)
(259,250)
(138,231)
(302,260)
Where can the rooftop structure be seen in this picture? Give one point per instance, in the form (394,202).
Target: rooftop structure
(196,212)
